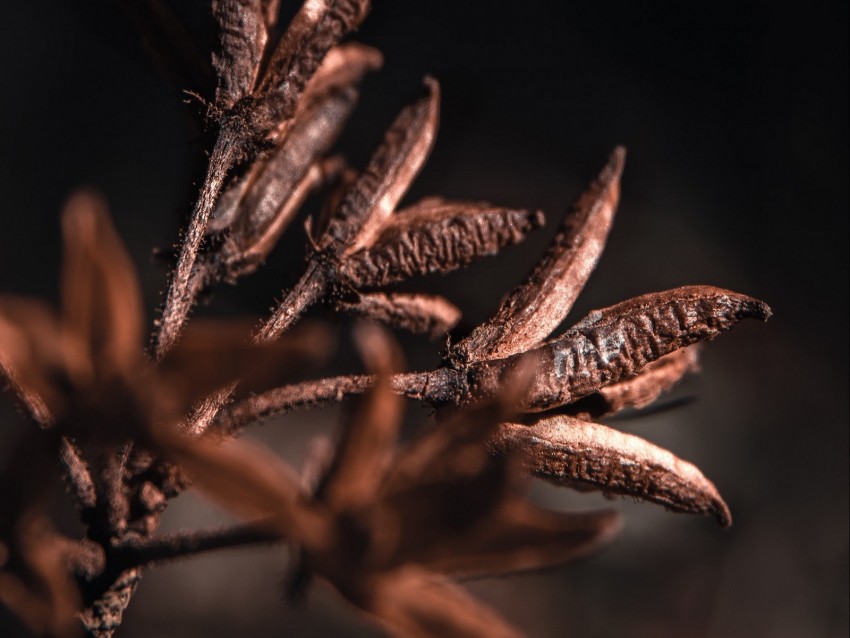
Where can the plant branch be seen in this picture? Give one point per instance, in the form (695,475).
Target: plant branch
(181,294)
(184,544)
(435,387)
(309,289)
(77,476)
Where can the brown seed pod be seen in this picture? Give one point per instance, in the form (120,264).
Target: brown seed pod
(318,26)
(255,198)
(574,452)
(242,40)
(431,315)
(378,190)
(655,379)
(535,308)
(365,245)
(438,238)
(617,342)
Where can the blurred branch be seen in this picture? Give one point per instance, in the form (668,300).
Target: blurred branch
(184,544)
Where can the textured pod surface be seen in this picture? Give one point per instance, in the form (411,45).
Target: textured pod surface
(445,239)
(310,137)
(331,94)
(317,27)
(655,379)
(421,314)
(577,453)
(616,343)
(396,162)
(536,307)
(242,38)
(343,66)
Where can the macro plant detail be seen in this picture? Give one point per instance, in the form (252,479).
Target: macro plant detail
(387,525)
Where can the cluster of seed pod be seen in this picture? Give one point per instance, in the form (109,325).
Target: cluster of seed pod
(387,526)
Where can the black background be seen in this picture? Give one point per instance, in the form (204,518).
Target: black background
(735,117)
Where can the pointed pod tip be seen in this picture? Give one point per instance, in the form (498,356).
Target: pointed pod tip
(721,513)
(707,499)
(616,163)
(759,309)
(432,90)
(750,307)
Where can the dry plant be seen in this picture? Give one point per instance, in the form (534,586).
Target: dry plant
(388,526)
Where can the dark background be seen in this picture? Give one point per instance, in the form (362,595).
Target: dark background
(735,117)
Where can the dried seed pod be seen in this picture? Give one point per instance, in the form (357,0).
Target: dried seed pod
(535,308)
(420,314)
(242,38)
(617,342)
(261,206)
(318,26)
(378,190)
(655,379)
(248,206)
(250,122)
(343,66)
(437,238)
(366,208)
(574,452)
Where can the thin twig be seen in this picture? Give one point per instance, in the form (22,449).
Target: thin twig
(75,471)
(77,476)
(181,295)
(434,387)
(185,543)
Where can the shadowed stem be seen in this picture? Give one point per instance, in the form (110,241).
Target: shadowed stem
(181,295)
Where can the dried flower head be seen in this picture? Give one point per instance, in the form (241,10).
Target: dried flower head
(618,357)
(387,525)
